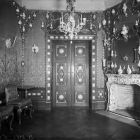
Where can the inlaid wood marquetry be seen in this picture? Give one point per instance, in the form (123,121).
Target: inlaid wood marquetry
(80,74)
(61,74)
(80,97)
(61,97)
(48,71)
(70,73)
(68,70)
(79,50)
(61,51)
(36,94)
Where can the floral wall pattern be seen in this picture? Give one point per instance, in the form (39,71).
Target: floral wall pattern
(35,62)
(9,43)
(121,24)
(26,62)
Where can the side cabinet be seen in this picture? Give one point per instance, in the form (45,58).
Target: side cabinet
(37,95)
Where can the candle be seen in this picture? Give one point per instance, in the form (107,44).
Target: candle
(136,23)
(115,65)
(84,20)
(112,65)
(104,62)
(62,17)
(112,53)
(42,25)
(23,29)
(139,63)
(139,50)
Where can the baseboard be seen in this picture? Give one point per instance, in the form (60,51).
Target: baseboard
(42,106)
(98,105)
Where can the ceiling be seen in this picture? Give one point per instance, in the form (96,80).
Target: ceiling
(80,5)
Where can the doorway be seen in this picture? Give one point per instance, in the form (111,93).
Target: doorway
(70,73)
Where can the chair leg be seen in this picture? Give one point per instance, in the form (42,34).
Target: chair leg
(0,124)
(19,111)
(11,121)
(30,111)
(24,112)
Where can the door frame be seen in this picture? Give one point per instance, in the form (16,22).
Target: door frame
(49,65)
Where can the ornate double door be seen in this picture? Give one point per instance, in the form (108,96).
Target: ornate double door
(70,73)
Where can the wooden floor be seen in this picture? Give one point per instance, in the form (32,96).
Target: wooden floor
(73,124)
(128,113)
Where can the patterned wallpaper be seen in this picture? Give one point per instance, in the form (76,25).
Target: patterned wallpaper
(35,64)
(9,60)
(100,76)
(34,74)
(9,69)
(120,46)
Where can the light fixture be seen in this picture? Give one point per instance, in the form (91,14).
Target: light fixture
(124,32)
(9,43)
(35,48)
(70,24)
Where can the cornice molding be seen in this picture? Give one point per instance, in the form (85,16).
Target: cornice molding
(80,5)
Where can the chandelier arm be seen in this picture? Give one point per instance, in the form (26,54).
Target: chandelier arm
(70,24)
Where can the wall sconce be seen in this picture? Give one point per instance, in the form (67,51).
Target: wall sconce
(125,9)
(35,49)
(125,58)
(8,42)
(106,68)
(124,32)
(22,63)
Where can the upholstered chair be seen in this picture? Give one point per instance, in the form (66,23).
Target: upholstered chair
(6,113)
(20,104)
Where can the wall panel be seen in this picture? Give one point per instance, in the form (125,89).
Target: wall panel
(35,62)
(9,66)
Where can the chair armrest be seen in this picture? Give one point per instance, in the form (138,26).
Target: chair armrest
(2,99)
(2,102)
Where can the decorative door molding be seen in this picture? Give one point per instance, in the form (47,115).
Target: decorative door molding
(79,97)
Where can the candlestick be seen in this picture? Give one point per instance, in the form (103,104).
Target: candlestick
(81,18)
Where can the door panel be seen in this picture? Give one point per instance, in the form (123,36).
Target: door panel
(70,73)
(61,95)
(81,74)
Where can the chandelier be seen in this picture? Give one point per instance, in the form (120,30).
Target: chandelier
(70,24)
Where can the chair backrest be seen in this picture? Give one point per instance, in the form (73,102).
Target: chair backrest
(11,93)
